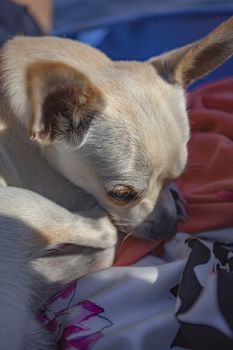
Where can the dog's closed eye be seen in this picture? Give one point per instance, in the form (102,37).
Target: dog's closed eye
(122,194)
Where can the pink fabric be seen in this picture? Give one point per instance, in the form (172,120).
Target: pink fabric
(207,182)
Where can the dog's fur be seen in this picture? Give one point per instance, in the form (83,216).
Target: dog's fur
(117,130)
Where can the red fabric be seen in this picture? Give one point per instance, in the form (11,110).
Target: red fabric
(132,249)
(207,182)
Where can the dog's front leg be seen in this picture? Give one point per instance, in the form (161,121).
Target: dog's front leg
(84,243)
(42,247)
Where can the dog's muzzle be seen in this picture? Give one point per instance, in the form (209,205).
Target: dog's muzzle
(161,223)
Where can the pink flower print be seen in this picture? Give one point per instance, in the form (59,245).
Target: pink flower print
(82,343)
(53,313)
(85,327)
(76,325)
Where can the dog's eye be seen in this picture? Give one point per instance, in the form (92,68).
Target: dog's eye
(124,194)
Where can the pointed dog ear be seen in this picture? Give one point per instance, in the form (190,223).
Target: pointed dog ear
(63,103)
(189,63)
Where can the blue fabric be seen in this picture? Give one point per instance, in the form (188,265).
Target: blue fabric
(15,20)
(141,36)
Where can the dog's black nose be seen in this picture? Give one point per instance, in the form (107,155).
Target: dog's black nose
(161,229)
(165,229)
(180,201)
(161,223)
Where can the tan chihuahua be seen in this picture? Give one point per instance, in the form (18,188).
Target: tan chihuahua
(117,130)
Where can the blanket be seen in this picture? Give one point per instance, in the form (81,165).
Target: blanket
(182,299)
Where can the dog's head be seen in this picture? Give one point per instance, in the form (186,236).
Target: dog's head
(119,130)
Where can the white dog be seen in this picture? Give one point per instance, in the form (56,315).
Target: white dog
(117,130)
